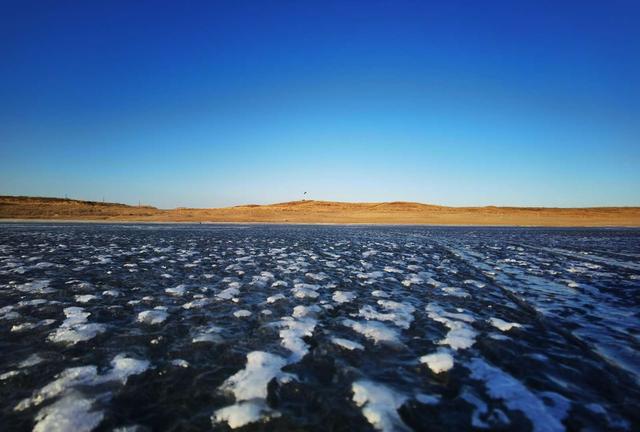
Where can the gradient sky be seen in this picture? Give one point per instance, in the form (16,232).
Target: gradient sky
(218,103)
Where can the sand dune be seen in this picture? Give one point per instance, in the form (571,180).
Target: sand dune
(310,211)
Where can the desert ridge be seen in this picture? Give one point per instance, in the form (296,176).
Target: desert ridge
(311,211)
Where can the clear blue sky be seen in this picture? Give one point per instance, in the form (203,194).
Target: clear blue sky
(216,103)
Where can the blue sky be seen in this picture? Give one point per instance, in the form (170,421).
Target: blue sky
(219,103)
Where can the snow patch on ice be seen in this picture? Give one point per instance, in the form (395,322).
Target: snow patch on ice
(75,328)
(438,362)
(374,330)
(85,298)
(152,317)
(195,304)
(343,296)
(317,276)
(40,286)
(73,412)
(301,311)
(390,269)
(303,290)
(347,344)
(475,283)
(210,334)
(10,374)
(275,298)
(243,413)
(292,335)
(460,335)
(249,387)
(455,292)
(370,276)
(122,367)
(401,314)
(515,395)
(503,325)
(242,313)
(32,360)
(229,293)
(180,363)
(379,405)
(412,279)
(177,291)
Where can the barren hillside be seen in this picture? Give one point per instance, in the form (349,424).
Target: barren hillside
(320,212)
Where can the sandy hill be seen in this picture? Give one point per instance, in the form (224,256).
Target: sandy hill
(20,207)
(309,211)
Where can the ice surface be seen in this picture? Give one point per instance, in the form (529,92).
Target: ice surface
(550,309)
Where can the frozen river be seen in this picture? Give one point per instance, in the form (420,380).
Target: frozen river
(205,327)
